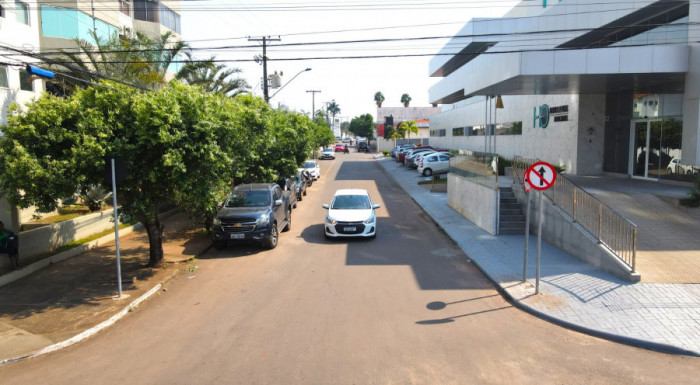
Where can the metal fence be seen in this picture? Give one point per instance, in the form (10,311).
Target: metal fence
(611,229)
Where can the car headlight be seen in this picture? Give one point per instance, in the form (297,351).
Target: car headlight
(263,220)
(217,222)
(370,220)
(330,220)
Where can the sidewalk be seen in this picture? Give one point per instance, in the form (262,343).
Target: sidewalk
(68,301)
(661,317)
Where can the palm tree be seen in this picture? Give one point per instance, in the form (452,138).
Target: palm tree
(379,98)
(405,99)
(212,77)
(132,57)
(408,127)
(333,109)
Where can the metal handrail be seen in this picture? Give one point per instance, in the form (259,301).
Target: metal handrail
(610,228)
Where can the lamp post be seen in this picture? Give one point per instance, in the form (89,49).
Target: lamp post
(313,102)
(290,80)
(499,105)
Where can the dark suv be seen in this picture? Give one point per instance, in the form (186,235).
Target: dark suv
(362,146)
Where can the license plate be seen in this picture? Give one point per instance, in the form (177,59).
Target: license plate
(349,228)
(237,236)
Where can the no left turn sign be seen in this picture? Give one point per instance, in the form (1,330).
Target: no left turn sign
(541,175)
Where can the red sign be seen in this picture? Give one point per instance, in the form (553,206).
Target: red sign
(541,175)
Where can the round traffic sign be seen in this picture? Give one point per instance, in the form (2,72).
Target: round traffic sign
(541,175)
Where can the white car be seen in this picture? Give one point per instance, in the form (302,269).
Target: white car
(676,167)
(328,153)
(350,214)
(438,162)
(313,168)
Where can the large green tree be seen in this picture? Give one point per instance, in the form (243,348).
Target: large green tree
(181,145)
(363,126)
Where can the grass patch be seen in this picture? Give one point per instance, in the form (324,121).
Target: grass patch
(67,213)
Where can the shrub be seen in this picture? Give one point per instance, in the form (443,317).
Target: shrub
(386,153)
(693,199)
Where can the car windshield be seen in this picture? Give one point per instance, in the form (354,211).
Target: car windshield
(248,199)
(327,150)
(309,165)
(351,202)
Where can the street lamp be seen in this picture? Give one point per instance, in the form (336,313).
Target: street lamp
(290,80)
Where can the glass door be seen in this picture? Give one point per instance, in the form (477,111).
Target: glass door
(645,148)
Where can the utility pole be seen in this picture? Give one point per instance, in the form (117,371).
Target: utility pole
(313,102)
(264,40)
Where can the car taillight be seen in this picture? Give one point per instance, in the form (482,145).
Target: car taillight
(421,164)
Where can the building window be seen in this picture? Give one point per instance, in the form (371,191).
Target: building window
(25,81)
(459,131)
(169,19)
(22,12)
(3,76)
(72,24)
(125,7)
(146,10)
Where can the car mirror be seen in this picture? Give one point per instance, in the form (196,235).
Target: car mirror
(376,206)
(278,202)
(325,206)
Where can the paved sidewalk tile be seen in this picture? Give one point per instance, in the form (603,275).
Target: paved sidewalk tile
(660,316)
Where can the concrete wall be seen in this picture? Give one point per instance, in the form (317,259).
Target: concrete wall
(475,202)
(559,230)
(34,243)
(591,134)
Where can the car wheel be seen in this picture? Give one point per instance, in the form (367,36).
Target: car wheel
(304,192)
(427,172)
(688,172)
(669,171)
(219,245)
(289,222)
(271,241)
(295,205)
(299,197)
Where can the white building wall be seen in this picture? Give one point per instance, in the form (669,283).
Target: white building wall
(557,143)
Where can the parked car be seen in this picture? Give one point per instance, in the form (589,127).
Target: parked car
(676,167)
(339,147)
(288,184)
(301,184)
(415,150)
(253,213)
(313,168)
(328,153)
(399,148)
(362,146)
(350,214)
(436,163)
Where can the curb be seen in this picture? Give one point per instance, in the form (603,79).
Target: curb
(634,342)
(93,330)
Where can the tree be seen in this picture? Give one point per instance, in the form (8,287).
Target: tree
(132,57)
(379,99)
(408,127)
(363,126)
(344,127)
(212,77)
(405,99)
(333,109)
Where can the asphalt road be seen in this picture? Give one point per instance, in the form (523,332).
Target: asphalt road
(407,307)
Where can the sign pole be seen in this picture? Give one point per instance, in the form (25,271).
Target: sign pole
(527,236)
(539,245)
(116,228)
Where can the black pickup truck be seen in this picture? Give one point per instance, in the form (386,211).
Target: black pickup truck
(253,213)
